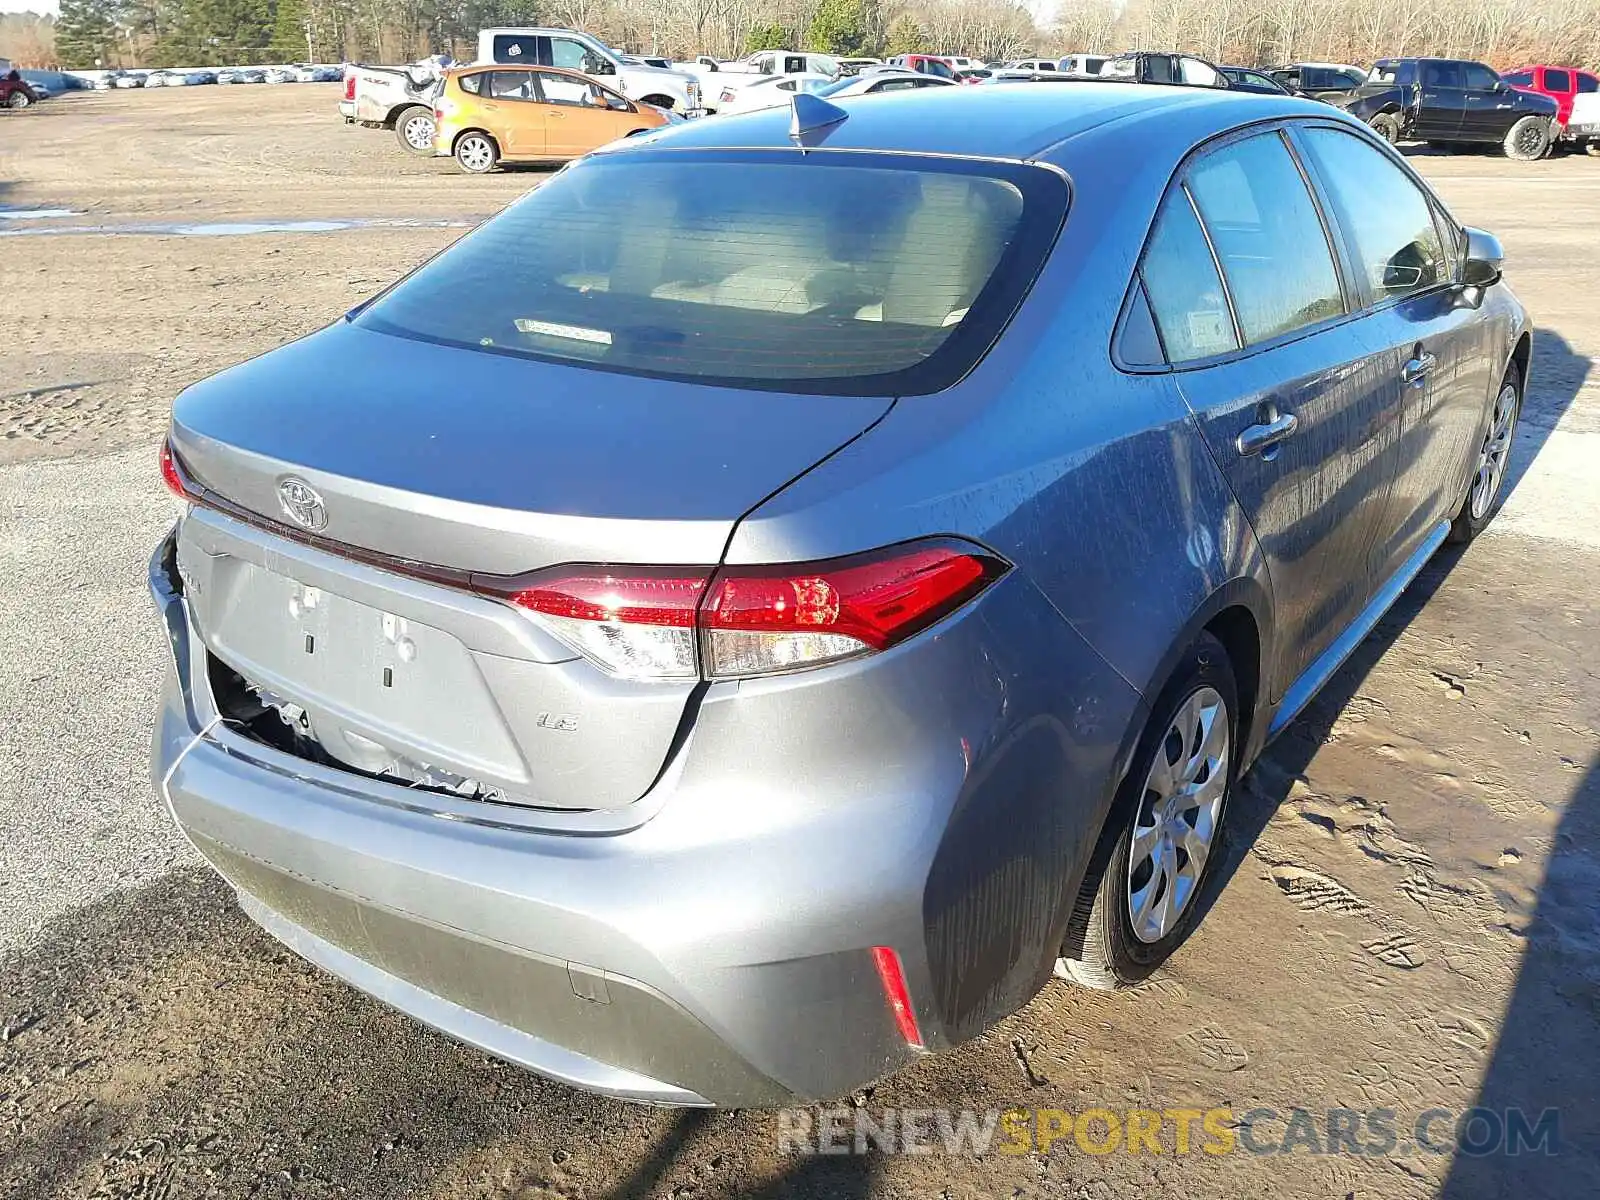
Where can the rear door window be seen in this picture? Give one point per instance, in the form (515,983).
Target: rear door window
(1557,81)
(1443,75)
(1184,289)
(1387,217)
(788,270)
(516,48)
(1268,237)
(512,85)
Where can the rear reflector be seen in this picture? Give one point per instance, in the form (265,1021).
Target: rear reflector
(895,992)
(169,471)
(677,623)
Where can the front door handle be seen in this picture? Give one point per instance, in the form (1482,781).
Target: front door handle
(1274,427)
(1415,372)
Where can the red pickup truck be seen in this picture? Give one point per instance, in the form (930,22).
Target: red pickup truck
(1577,97)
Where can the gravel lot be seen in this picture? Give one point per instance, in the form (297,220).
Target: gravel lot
(1409,919)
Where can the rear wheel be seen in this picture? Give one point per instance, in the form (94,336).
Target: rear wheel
(476,153)
(1485,492)
(1144,901)
(1528,139)
(1386,126)
(414,128)
(18,100)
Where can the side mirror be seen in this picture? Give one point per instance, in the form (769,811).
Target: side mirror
(1485,260)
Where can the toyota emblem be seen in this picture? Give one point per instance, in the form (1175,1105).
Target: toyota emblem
(302,504)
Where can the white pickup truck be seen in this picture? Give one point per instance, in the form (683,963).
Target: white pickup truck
(397,98)
(576,51)
(722,80)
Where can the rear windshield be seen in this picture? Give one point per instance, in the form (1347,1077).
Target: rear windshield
(817,272)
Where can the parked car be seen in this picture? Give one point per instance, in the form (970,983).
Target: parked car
(1452,102)
(1081,64)
(923,64)
(1577,96)
(241,75)
(197,78)
(1031,64)
(487,116)
(1320,80)
(281,75)
(163,78)
(768,91)
(572,50)
(854,66)
(1245,79)
(128,79)
(106,81)
(16,92)
(960,62)
(971,75)
(720,677)
(1144,66)
(879,82)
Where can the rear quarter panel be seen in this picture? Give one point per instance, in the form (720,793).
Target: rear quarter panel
(1096,484)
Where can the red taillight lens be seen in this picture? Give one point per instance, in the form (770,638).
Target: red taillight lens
(349,87)
(667,623)
(897,994)
(169,472)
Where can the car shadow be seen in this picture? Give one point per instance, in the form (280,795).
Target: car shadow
(1557,374)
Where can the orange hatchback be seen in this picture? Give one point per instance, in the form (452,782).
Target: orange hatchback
(489,115)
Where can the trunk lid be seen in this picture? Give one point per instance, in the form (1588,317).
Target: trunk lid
(456,463)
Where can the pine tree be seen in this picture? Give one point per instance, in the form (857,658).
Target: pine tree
(86,33)
(840,27)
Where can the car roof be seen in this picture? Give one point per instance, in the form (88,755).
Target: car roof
(998,122)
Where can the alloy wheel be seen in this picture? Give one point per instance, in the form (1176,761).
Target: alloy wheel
(419,132)
(1179,811)
(1496,452)
(1529,139)
(475,153)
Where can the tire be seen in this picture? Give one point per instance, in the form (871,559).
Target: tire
(1486,489)
(476,153)
(1528,139)
(409,130)
(1386,126)
(18,100)
(1592,148)
(1107,946)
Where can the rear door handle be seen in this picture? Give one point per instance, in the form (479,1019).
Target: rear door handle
(1265,434)
(1415,372)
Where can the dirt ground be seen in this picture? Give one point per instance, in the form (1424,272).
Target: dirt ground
(1407,919)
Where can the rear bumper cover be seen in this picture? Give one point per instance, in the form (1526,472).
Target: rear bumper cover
(719,952)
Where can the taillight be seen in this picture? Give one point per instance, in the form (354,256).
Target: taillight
(349,87)
(169,472)
(735,622)
(639,625)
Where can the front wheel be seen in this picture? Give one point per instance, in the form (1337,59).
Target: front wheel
(1484,493)
(476,153)
(414,128)
(1386,126)
(1528,139)
(1145,900)
(18,100)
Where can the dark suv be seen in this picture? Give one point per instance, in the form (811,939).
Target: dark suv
(1449,102)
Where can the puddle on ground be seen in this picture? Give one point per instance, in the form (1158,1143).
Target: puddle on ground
(37,214)
(233,228)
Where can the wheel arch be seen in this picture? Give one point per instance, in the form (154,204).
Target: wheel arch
(456,140)
(659,100)
(1522,355)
